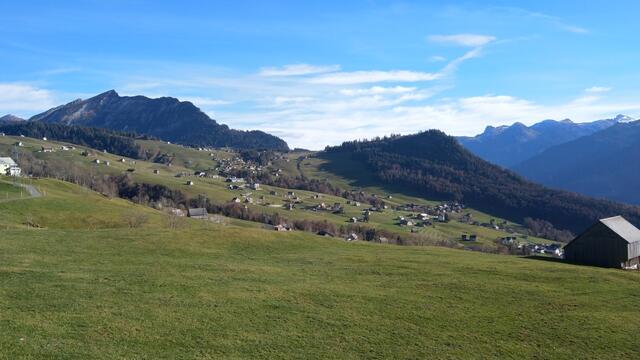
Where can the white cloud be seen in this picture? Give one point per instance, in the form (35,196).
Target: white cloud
(297,70)
(363,77)
(470,40)
(24,99)
(377,90)
(597,89)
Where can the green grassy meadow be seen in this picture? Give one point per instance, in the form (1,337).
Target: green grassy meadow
(225,292)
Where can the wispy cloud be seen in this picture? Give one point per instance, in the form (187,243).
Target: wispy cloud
(468,40)
(597,89)
(377,90)
(437,58)
(364,77)
(556,21)
(298,70)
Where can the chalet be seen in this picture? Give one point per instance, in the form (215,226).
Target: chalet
(47,149)
(289,206)
(234,179)
(123,160)
(254,186)
(65,148)
(464,237)
(200,174)
(236,200)
(611,242)
(107,162)
(189,183)
(352,237)
(96,161)
(281,228)
(291,193)
(44,138)
(198,213)
(9,167)
(353,220)
(156,171)
(473,237)
(273,192)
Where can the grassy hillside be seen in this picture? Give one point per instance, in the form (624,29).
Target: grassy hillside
(67,206)
(238,293)
(186,160)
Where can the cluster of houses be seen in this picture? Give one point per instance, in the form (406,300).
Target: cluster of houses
(528,247)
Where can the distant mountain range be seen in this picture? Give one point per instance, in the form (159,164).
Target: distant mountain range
(165,118)
(436,166)
(508,146)
(604,164)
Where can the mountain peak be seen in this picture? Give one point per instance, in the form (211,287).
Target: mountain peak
(10,118)
(108,94)
(166,118)
(623,118)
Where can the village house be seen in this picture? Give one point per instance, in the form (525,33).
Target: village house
(96,161)
(254,186)
(236,200)
(198,213)
(611,242)
(46,149)
(156,171)
(281,228)
(9,167)
(352,237)
(189,183)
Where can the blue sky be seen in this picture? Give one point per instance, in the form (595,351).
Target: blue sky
(320,72)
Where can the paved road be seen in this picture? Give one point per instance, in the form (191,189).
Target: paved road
(33,192)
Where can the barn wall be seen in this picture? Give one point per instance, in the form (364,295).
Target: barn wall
(598,246)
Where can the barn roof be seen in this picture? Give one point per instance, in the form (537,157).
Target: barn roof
(623,228)
(197,212)
(7,161)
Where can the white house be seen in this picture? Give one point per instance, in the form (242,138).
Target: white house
(9,167)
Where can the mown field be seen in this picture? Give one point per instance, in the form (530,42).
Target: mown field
(230,292)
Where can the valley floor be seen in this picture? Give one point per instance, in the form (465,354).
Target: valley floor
(212,291)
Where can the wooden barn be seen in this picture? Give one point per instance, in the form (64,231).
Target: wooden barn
(611,242)
(198,213)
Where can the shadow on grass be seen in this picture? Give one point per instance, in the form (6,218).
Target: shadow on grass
(548,258)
